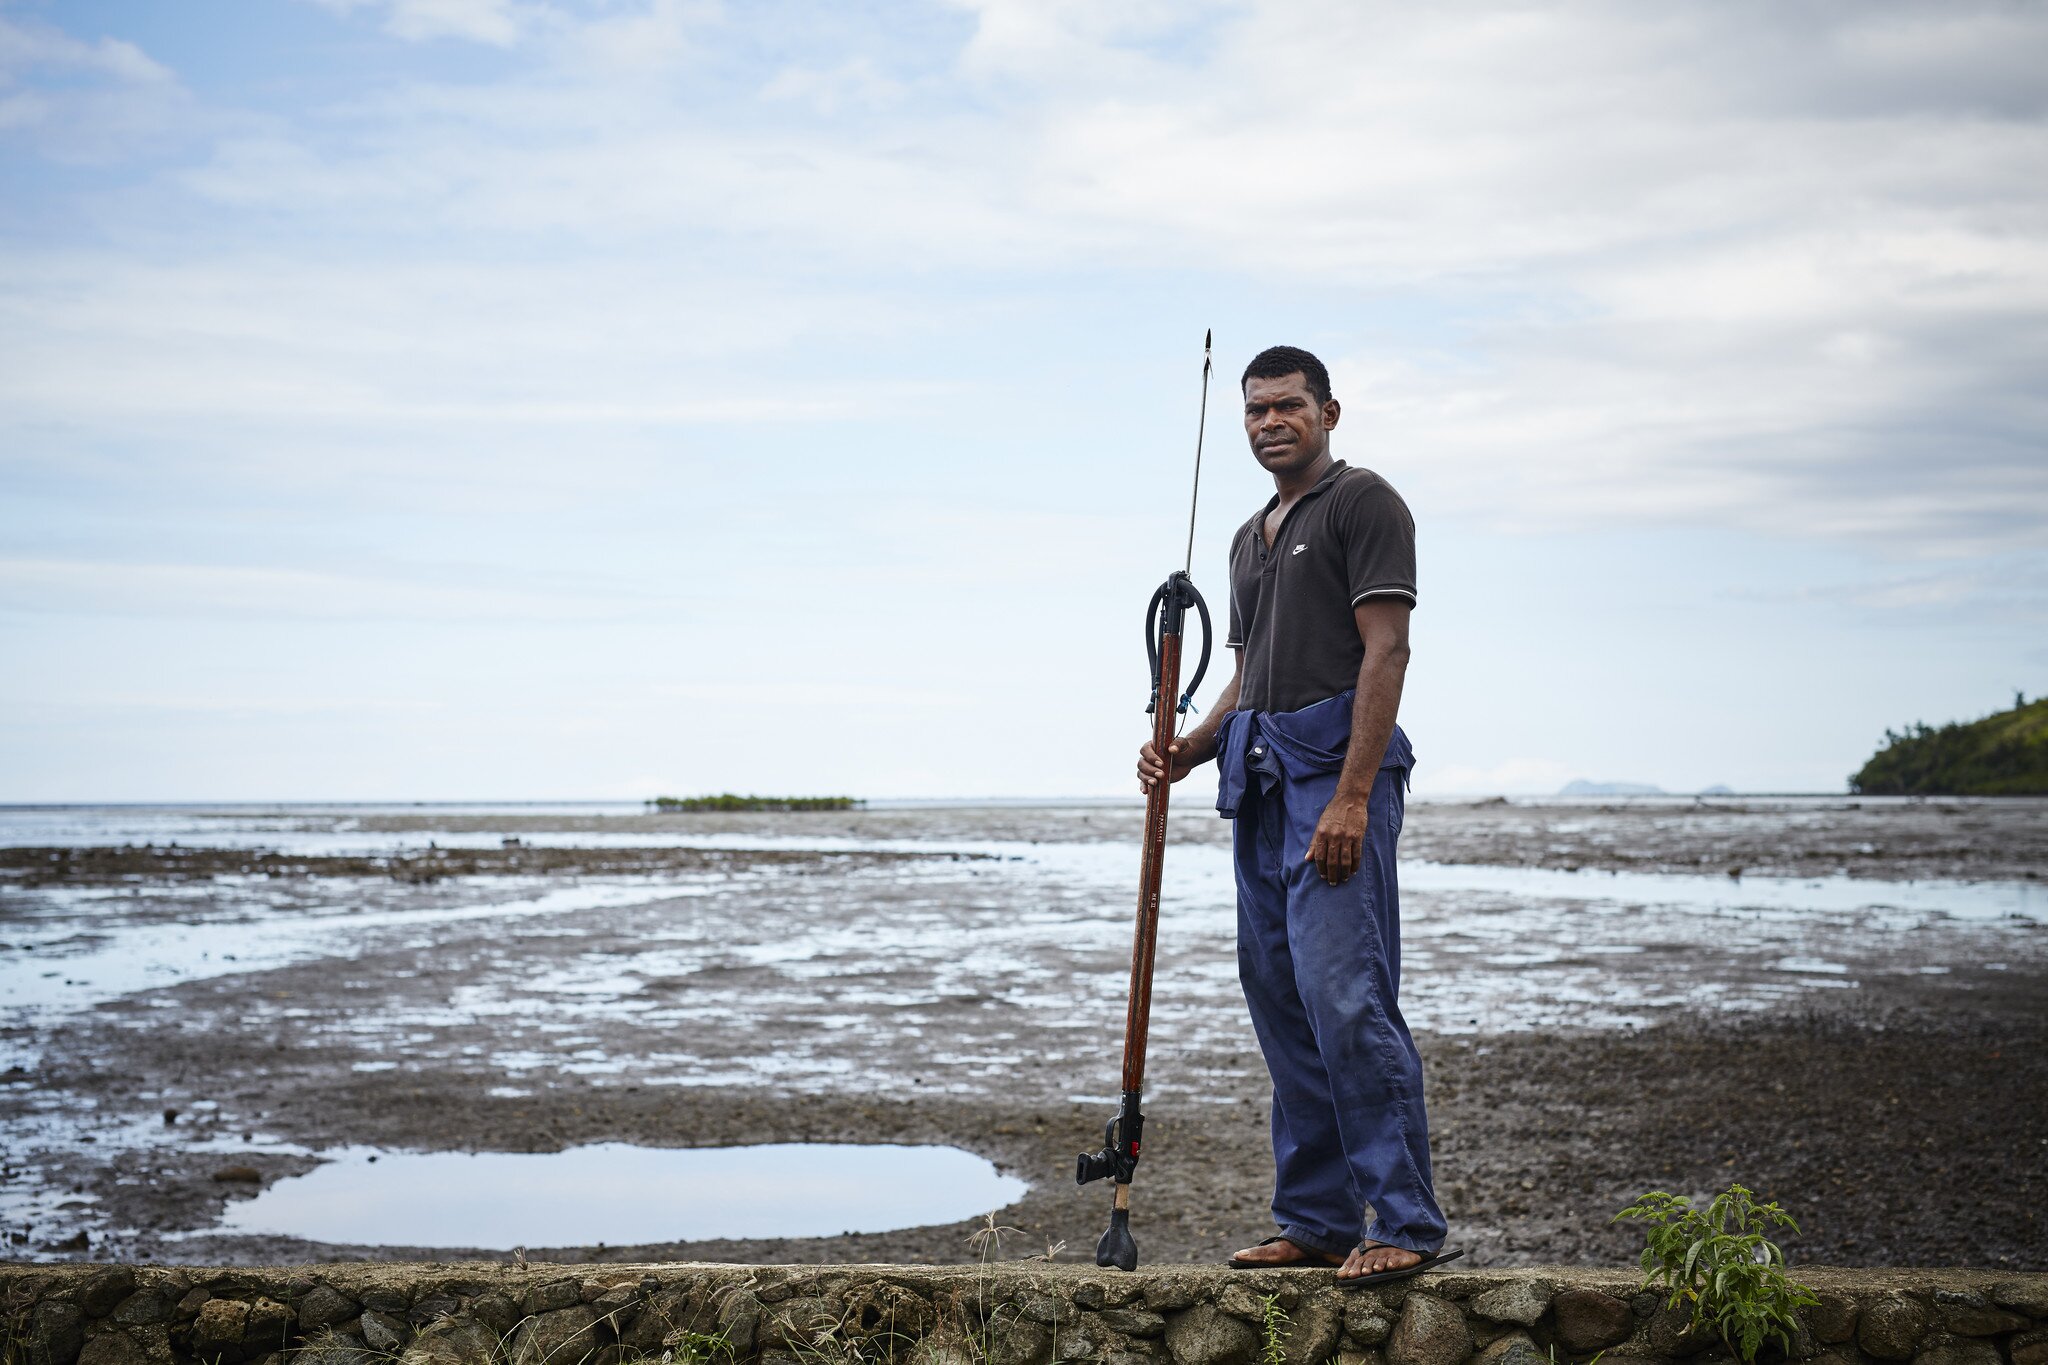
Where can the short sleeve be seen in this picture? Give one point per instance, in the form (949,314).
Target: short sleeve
(1235,639)
(1379,540)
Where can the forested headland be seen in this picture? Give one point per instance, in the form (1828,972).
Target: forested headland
(2001,755)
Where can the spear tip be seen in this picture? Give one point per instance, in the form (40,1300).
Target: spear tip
(1208,337)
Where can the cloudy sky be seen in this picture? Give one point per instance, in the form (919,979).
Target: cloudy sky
(589,398)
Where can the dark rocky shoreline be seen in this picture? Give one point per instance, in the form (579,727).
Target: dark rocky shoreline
(997,1313)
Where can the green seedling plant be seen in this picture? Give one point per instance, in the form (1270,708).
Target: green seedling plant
(1719,1260)
(1273,1325)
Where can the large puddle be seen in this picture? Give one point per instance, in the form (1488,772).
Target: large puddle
(620,1195)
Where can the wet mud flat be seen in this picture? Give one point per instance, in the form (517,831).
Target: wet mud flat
(924,978)
(1887,837)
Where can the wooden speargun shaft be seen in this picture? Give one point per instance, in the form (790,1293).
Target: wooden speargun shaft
(1165,617)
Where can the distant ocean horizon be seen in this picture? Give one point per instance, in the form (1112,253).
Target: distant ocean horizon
(632,806)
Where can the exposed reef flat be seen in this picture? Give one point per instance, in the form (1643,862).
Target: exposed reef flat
(927,977)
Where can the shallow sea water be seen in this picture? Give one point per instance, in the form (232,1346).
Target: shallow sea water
(617,1194)
(1003,973)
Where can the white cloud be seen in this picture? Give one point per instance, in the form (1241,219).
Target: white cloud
(24,47)
(1760,267)
(1752,267)
(162,591)
(76,100)
(853,84)
(498,23)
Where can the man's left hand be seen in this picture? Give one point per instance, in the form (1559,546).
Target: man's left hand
(1340,835)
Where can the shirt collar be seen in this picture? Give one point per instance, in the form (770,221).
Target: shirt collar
(1336,467)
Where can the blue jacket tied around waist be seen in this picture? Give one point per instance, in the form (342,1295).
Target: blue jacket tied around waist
(1303,748)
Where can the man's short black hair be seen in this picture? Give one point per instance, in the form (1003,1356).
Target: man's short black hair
(1277,362)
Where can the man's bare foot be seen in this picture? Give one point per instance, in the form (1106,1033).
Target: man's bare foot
(1281,1252)
(1368,1259)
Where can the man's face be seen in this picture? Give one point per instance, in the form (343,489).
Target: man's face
(1289,430)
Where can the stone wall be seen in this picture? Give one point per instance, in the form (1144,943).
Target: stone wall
(1007,1314)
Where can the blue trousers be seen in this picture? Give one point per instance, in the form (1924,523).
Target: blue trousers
(1321,967)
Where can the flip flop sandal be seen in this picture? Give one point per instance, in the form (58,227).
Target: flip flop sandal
(1309,1259)
(1426,1263)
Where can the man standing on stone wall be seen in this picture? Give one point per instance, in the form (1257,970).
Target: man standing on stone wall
(1312,768)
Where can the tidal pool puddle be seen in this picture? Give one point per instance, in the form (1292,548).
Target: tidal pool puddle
(620,1195)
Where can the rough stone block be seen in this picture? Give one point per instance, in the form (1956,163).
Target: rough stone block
(452,1341)
(1430,1332)
(1310,1337)
(1890,1328)
(114,1347)
(2029,1348)
(662,1314)
(1071,1342)
(2023,1296)
(1239,1301)
(1972,1315)
(617,1306)
(1833,1319)
(384,1332)
(1134,1322)
(1170,1293)
(566,1336)
(269,1327)
(1018,1340)
(1205,1335)
(1364,1323)
(551,1297)
(1521,1302)
(219,1327)
(799,1324)
(884,1312)
(1962,1351)
(495,1311)
(323,1307)
(106,1289)
(1513,1349)
(144,1308)
(1588,1320)
(1671,1333)
(738,1316)
(388,1299)
(56,1332)
(332,1348)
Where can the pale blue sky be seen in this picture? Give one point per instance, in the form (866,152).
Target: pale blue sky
(534,398)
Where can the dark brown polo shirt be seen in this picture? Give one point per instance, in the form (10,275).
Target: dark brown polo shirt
(1349,538)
